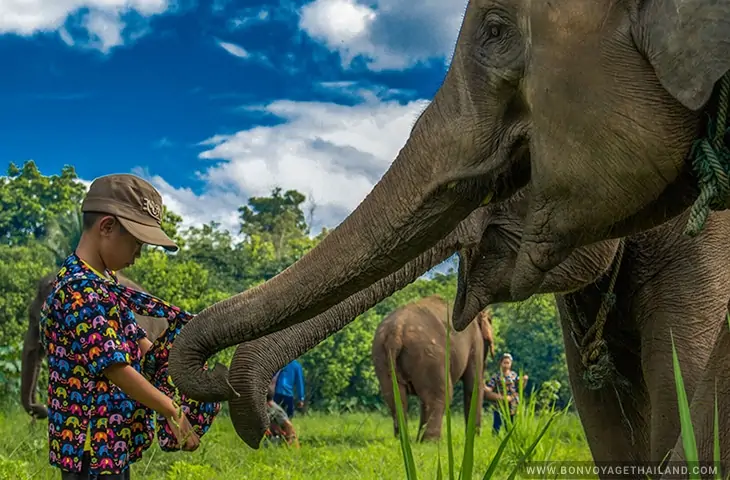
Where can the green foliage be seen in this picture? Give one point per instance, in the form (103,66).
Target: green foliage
(28,200)
(12,468)
(20,269)
(183,283)
(187,471)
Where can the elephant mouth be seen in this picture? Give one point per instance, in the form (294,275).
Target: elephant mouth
(511,185)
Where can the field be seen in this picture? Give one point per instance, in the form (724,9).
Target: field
(352,446)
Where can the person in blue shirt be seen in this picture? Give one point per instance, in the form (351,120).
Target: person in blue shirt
(289,378)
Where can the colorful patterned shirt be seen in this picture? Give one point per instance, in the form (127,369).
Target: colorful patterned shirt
(510,383)
(87,325)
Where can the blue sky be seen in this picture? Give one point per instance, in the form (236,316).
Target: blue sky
(216,101)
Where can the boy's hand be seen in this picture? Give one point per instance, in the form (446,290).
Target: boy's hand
(136,386)
(183,431)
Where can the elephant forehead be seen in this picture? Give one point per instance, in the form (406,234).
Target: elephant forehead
(565,20)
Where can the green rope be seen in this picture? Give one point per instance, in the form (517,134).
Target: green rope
(711,162)
(595,357)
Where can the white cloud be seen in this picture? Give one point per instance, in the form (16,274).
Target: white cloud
(102,20)
(248,17)
(334,154)
(233,49)
(390,34)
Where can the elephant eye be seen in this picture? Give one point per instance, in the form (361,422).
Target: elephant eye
(494,32)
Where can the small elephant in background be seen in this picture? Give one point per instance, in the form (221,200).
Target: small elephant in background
(33,352)
(414,336)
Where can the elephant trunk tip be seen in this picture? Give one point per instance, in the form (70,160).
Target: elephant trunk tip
(203,384)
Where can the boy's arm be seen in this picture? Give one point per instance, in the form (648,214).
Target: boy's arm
(105,355)
(136,386)
(131,382)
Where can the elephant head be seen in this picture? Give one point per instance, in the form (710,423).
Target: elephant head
(594,104)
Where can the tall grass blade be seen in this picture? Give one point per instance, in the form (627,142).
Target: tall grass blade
(688,435)
(467,464)
(497,456)
(532,447)
(402,428)
(447,399)
(716,439)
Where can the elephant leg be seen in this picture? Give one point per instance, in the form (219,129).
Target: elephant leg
(423,420)
(672,311)
(469,385)
(389,398)
(614,424)
(434,399)
(715,383)
(656,353)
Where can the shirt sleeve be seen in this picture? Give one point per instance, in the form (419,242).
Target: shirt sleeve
(151,306)
(492,383)
(101,346)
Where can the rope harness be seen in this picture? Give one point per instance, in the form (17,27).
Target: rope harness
(594,353)
(711,163)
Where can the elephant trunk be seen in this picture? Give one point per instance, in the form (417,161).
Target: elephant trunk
(255,362)
(407,212)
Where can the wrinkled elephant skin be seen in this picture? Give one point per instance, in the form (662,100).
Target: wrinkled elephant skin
(668,284)
(33,353)
(414,337)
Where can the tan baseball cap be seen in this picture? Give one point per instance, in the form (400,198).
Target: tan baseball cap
(135,202)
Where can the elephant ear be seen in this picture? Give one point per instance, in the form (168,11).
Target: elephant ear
(687,43)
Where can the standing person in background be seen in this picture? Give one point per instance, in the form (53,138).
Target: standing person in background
(495,391)
(289,378)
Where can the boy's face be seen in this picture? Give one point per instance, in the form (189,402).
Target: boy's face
(117,247)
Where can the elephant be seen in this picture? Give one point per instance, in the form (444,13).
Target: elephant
(662,273)
(667,287)
(33,352)
(414,337)
(596,109)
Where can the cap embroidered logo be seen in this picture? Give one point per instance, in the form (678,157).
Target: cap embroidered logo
(152,208)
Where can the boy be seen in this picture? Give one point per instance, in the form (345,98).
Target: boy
(280,426)
(100,407)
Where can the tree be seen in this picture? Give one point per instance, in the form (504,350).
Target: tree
(63,234)
(278,219)
(28,200)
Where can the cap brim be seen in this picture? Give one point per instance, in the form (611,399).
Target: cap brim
(150,235)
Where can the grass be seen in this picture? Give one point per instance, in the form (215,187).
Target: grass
(352,446)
